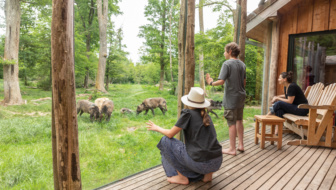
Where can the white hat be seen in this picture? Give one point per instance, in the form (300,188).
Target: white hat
(195,98)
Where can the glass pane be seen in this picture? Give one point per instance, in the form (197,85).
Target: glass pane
(314,59)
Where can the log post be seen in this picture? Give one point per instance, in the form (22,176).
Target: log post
(181,59)
(274,59)
(267,75)
(189,53)
(64,117)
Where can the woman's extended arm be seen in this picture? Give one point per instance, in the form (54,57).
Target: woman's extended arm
(170,133)
(289,100)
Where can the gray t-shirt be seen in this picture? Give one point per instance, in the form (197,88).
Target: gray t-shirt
(233,71)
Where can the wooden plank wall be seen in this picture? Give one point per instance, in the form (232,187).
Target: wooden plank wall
(303,16)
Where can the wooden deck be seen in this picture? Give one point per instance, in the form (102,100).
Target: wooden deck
(293,167)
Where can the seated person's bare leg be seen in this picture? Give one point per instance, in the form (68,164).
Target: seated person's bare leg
(207,177)
(178,179)
(232,136)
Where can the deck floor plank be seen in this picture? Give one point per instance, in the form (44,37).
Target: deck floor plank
(293,167)
(289,175)
(322,172)
(282,171)
(330,176)
(273,168)
(257,172)
(248,165)
(236,162)
(299,175)
(307,179)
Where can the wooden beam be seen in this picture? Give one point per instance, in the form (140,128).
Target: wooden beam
(266,75)
(269,12)
(64,116)
(274,59)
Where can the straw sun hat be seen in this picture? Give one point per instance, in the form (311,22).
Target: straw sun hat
(195,98)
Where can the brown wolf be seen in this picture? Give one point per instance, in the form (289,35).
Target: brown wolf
(152,103)
(214,105)
(99,102)
(107,109)
(85,106)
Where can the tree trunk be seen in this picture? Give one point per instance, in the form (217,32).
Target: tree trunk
(102,9)
(163,29)
(181,55)
(242,34)
(12,93)
(189,54)
(201,63)
(170,41)
(88,43)
(236,20)
(64,117)
(107,76)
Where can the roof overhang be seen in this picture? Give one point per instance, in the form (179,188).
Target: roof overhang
(258,20)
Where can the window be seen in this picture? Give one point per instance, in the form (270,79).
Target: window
(312,58)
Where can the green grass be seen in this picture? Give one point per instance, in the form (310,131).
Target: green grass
(108,150)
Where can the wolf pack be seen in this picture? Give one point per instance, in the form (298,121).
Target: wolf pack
(103,107)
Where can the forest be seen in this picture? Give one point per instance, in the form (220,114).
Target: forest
(108,150)
(159,52)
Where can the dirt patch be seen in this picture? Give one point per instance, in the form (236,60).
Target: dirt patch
(33,114)
(41,99)
(131,129)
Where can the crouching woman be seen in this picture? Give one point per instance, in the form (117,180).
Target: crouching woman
(201,155)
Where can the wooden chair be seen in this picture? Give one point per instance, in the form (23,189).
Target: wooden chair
(313,94)
(318,126)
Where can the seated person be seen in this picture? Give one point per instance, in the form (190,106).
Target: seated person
(201,155)
(288,102)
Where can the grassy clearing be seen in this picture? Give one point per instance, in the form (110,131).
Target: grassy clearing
(108,150)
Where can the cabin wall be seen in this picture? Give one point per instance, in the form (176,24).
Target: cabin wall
(305,16)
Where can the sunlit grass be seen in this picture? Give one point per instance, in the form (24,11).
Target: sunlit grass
(108,150)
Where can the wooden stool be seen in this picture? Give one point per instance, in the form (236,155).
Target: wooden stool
(268,120)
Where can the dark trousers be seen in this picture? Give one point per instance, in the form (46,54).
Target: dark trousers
(280,108)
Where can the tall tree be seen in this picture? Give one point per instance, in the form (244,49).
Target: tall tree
(242,34)
(201,63)
(170,40)
(64,118)
(12,93)
(87,16)
(156,40)
(102,9)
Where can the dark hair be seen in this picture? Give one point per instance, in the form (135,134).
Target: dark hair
(287,75)
(205,116)
(233,47)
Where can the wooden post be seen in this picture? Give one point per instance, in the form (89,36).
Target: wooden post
(189,53)
(266,75)
(274,60)
(186,51)
(181,59)
(64,117)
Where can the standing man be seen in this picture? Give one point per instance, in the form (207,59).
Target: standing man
(233,74)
